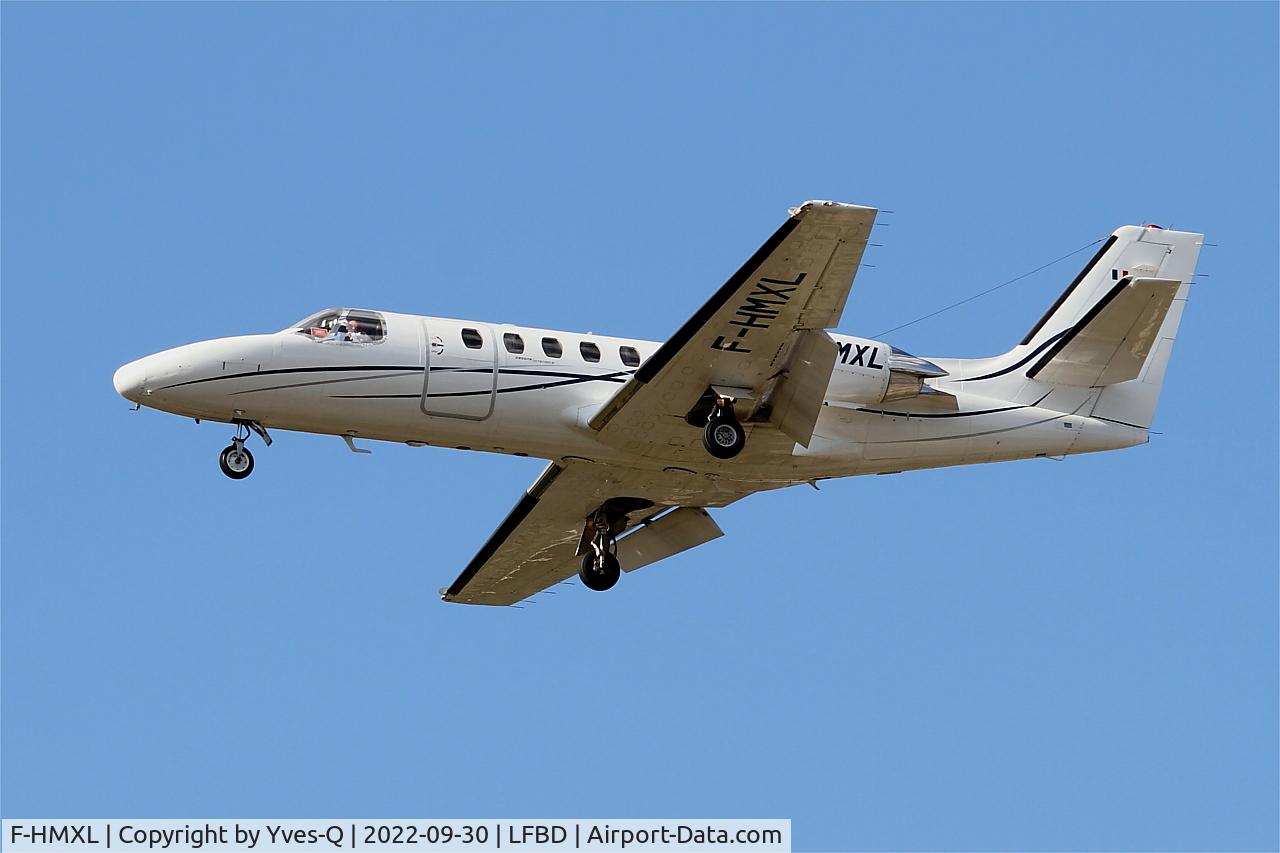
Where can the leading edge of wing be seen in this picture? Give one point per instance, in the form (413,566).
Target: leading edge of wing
(518,513)
(660,359)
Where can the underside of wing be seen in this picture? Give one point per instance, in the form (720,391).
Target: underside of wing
(540,542)
(760,340)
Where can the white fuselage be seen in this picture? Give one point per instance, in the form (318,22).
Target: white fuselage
(456,383)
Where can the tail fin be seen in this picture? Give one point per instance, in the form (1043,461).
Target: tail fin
(1113,328)
(1134,402)
(1131,252)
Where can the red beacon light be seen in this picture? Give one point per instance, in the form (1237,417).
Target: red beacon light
(1157,227)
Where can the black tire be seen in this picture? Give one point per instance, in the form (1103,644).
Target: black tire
(724,438)
(603,578)
(236,463)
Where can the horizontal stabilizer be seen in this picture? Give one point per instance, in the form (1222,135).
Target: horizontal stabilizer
(1111,343)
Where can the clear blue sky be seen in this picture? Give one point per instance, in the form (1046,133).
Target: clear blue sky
(1034,655)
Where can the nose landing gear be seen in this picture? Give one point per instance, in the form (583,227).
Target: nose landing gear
(235,460)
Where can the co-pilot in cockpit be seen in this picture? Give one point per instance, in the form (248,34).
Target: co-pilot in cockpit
(343,325)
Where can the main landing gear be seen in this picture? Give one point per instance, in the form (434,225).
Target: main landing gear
(723,436)
(235,460)
(600,569)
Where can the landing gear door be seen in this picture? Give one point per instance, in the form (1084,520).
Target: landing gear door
(460,372)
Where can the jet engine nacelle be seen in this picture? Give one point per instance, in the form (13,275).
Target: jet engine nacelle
(869,372)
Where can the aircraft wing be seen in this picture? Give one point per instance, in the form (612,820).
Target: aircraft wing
(759,339)
(536,546)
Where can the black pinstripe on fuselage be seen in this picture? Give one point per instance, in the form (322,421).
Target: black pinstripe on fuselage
(561,378)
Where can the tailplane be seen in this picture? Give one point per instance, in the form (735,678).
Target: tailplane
(1112,342)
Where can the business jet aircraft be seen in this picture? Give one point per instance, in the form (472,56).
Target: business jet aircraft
(751,393)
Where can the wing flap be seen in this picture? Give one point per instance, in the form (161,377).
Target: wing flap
(792,399)
(666,536)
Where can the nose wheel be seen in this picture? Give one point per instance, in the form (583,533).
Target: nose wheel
(235,460)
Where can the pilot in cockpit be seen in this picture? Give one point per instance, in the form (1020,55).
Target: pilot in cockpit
(354,333)
(335,327)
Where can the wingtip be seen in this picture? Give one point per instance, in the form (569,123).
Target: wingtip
(800,210)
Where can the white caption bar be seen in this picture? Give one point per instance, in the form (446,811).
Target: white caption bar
(682,835)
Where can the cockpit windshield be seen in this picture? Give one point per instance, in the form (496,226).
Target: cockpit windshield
(343,325)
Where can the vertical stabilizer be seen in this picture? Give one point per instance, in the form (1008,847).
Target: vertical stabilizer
(1109,335)
(1132,252)
(1134,402)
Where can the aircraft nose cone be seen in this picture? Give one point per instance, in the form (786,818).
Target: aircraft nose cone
(130,381)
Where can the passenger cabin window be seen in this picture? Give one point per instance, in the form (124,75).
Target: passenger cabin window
(552,348)
(513,342)
(590,351)
(630,356)
(344,325)
(471,338)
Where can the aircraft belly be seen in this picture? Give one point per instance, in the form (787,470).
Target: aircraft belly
(888,436)
(875,440)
